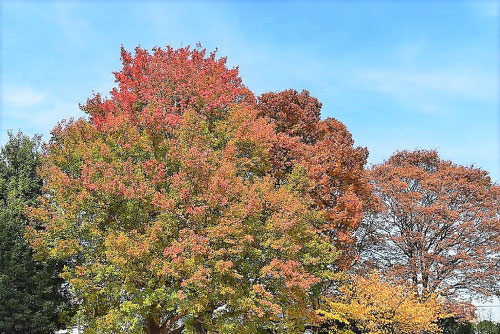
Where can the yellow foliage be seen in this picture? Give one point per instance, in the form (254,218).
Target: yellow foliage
(374,306)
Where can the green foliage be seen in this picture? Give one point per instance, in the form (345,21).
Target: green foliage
(486,327)
(31,295)
(451,326)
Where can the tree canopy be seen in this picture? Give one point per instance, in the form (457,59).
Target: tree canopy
(439,228)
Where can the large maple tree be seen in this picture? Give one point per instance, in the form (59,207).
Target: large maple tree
(174,208)
(439,228)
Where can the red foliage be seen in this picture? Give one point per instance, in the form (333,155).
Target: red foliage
(155,88)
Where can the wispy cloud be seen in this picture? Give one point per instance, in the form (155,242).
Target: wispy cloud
(427,90)
(22,97)
(47,117)
(33,110)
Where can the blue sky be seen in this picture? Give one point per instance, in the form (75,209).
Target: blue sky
(400,75)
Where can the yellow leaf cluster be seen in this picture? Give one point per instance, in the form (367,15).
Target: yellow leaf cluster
(372,305)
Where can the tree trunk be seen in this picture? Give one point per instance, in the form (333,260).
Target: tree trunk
(198,325)
(153,328)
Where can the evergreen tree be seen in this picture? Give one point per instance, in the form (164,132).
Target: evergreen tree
(32,295)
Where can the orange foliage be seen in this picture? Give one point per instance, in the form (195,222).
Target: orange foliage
(440,227)
(338,182)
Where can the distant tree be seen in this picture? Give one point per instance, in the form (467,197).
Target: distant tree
(32,298)
(450,325)
(169,211)
(485,327)
(439,228)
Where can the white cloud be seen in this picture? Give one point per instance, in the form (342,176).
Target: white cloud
(22,97)
(34,111)
(451,82)
(45,118)
(428,90)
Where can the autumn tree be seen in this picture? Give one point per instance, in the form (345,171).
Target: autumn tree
(167,206)
(32,295)
(440,227)
(377,306)
(338,183)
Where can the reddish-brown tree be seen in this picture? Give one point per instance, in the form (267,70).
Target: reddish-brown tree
(325,148)
(440,226)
